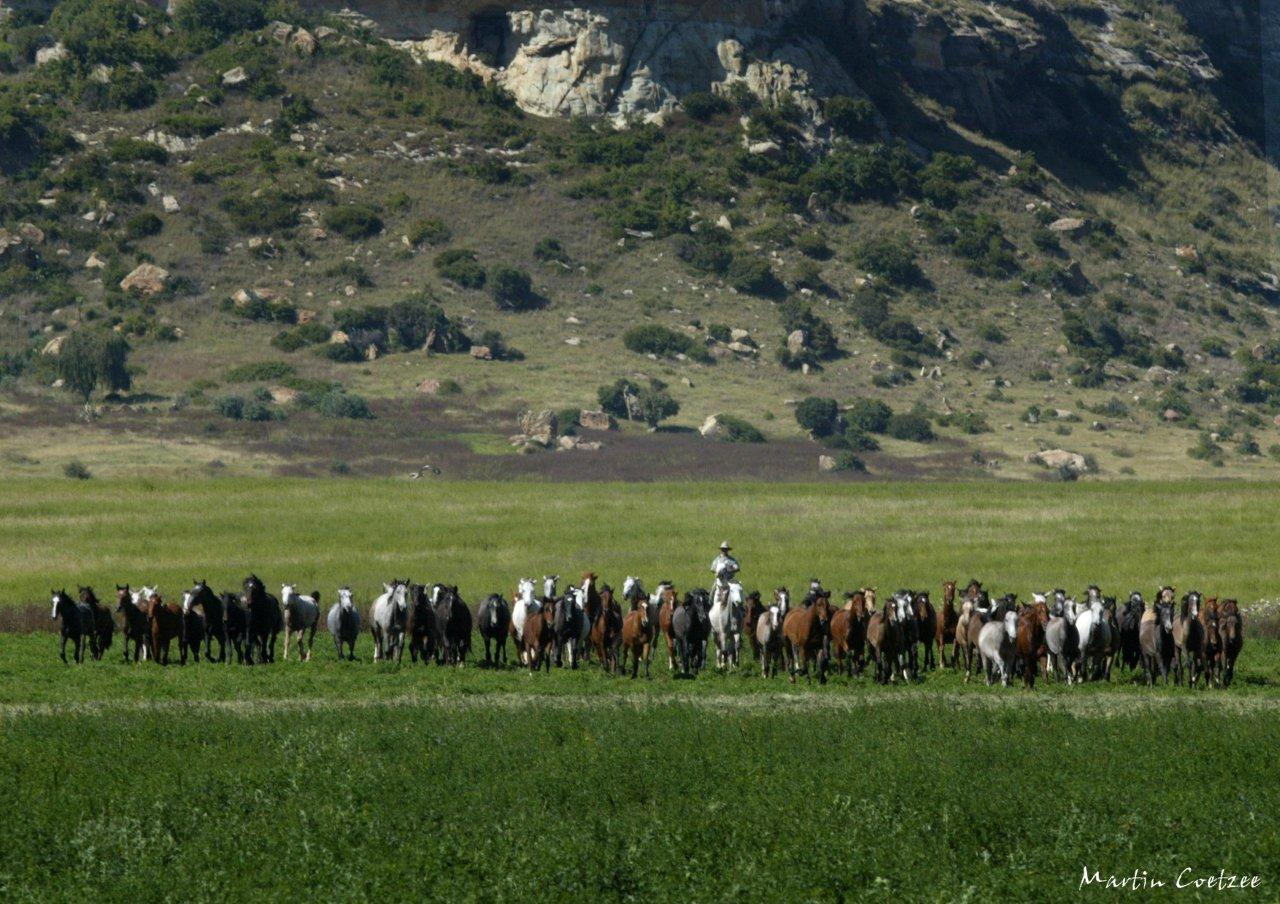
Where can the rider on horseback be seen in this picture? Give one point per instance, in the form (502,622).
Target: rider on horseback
(725,566)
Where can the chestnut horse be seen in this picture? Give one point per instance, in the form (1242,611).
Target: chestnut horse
(1212,642)
(752,609)
(606,630)
(1231,629)
(849,633)
(538,639)
(668,601)
(884,637)
(945,632)
(1030,639)
(135,623)
(1188,639)
(805,636)
(637,638)
(166,626)
(104,626)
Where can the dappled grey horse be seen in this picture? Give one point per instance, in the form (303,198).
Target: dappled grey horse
(344,623)
(387,617)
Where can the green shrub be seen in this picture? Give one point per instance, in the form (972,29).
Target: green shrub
(259,371)
(191,125)
(753,275)
(942,181)
(654,339)
(979,240)
(818,415)
(656,404)
(720,332)
(910,426)
(415,319)
(871,415)
(993,334)
(268,211)
(76,470)
(307,334)
(613,398)
(550,251)
(460,265)
(651,404)
(133,150)
(340,352)
(354,221)
(258,411)
(736,430)
(852,117)
(812,244)
(337,403)
(141,225)
(429,232)
(970,422)
(704,106)
(856,439)
(207,23)
(848,461)
(511,288)
(230,406)
(1214,347)
(820,337)
(869,307)
(889,256)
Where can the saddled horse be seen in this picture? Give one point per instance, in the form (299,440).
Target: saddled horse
(193,628)
(725,616)
(638,633)
(768,633)
(76,624)
(1188,639)
(301,616)
(1155,634)
(420,625)
(1231,628)
(166,627)
(387,619)
(104,626)
(237,623)
(493,619)
(805,635)
(263,621)
(453,620)
(215,619)
(135,623)
(945,631)
(343,623)
(605,631)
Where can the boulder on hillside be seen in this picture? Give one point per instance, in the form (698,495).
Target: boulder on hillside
(482,353)
(1069,226)
(826,463)
(1059,459)
(235,77)
(797,341)
(145,279)
(711,427)
(596,420)
(541,426)
(54,345)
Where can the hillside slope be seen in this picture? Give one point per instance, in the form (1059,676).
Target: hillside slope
(1031,225)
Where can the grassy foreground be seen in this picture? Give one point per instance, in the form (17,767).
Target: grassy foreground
(1217,537)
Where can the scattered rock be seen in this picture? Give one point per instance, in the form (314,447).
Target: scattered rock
(742,348)
(303,42)
(429,387)
(337,337)
(797,341)
(574,341)
(32,233)
(170,204)
(146,279)
(1158,374)
(739,335)
(711,427)
(1069,226)
(596,420)
(764,148)
(1171,414)
(306,315)
(47,55)
(568,442)
(724,223)
(94,262)
(540,426)
(54,345)
(234,77)
(371,352)
(482,353)
(1060,458)
(282,395)
(1187,253)
(826,463)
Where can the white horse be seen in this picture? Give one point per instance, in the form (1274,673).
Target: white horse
(301,615)
(526,604)
(388,616)
(1095,640)
(996,647)
(726,622)
(344,623)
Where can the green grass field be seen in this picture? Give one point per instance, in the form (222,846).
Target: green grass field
(356,780)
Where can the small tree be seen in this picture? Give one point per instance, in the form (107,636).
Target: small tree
(79,364)
(512,289)
(113,363)
(656,404)
(817,415)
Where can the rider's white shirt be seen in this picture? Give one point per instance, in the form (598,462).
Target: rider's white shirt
(721,562)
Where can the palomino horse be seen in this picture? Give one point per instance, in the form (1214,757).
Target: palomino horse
(77,624)
(166,626)
(538,638)
(135,623)
(453,620)
(523,604)
(104,626)
(215,620)
(638,633)
(805,636)
(263,621)
(605,633)
(1155,634)
(387,618)
(768,633)
(343,622)
(926,626)
(1188,639)
(237,622)
(997,642)
(493,619)
(301,615)
(1231,628)
(725,616)
(849,633)
(945,633)
(420,625)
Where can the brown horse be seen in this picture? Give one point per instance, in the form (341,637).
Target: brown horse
(751,613)
(166,625)
(946,624)
(884,637)
(805,633)
(926,626)
(1188,639)
(1231,630)
(849,633)
(606,630)
(1212,641)
(539,638)
(104,626)
(637,638)
(667,603)
(1030,639)
(135,623)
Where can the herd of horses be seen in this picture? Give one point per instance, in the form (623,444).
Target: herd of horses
(1193,639)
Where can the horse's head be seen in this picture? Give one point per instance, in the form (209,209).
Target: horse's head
(1011,624)
(922,604)
(88,597)
(1191,603)
(59,600)
(948,592)
(1093,592)
(1165,595)
(287,592)
(1164,613)
(782,597)
(345,599)
(186,601)
(1060,597)
(632,589)
(549,586)
(822,609)
(123,595)
(1137,602)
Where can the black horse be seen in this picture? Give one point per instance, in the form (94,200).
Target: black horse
(423,630)
(77,624)
(1131,631)
(104,626)
(264,621)
(691,627)
(215,622)
(453,619)
(493,618)
(236,620)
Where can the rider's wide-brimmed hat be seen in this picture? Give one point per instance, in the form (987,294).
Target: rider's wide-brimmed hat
(725,545)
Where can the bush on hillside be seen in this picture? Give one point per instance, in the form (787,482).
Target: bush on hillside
(818,415)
